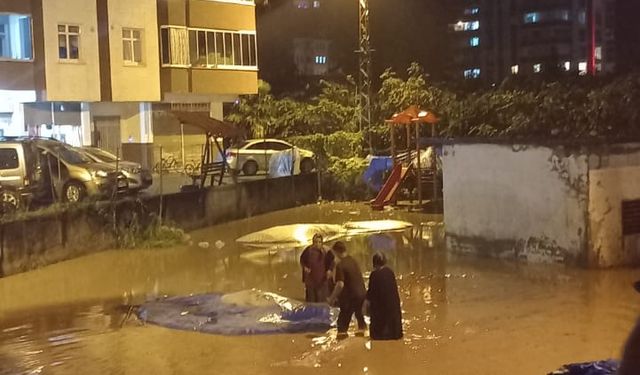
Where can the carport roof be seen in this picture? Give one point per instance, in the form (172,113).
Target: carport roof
(210,125)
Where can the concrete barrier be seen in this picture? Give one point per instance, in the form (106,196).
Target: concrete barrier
(48,237)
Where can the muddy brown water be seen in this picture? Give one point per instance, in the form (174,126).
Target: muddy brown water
(463,315)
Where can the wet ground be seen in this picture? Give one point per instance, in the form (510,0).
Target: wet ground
(462,315)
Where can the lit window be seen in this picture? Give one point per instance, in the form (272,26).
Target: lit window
(537,68)
(321,59)
(567,66)
(69,42)
(582,68)
(185,47)
(316,4)
(598,53)
(466,26)
(532,17)
(132,46)
(474,41)
(472,73)
(582,17)
(15,37)
(470,11)
(514,69)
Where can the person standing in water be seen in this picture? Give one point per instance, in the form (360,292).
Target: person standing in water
(383,302)
(349,290)
(313,261)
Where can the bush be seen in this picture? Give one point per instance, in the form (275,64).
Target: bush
(344,179)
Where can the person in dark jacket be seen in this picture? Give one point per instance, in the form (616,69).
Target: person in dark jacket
(630,364)
(383,302)
(314,263)
(349,290)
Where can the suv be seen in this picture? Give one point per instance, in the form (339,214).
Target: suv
(46,170)
(253,155)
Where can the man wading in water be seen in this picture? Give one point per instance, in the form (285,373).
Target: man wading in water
(349,290)
(316,262)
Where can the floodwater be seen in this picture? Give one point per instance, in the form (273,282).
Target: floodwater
(463,315)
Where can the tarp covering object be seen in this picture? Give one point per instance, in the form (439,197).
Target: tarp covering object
(374,175)
(606,367)
(249,312)
(282,162)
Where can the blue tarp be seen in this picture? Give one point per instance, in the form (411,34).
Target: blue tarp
(243,313)
(374,174)
(606,367)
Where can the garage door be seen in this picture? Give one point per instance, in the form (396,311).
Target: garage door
(107,133)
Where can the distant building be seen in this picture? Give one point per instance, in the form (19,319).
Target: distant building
(496,38)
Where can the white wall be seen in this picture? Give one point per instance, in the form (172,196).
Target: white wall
(129,113)
(506,201)
(71,81)
(612,179)
(141,82)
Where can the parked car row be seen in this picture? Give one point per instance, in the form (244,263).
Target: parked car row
(46,170)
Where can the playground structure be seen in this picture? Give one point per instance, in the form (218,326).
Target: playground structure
(411,118)
(214,130)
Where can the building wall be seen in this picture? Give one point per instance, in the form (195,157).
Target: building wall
(220,15)
(71,81)
(516,202)
(138,82)
(613,178)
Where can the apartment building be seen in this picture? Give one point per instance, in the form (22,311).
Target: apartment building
(95,71)
(496,38)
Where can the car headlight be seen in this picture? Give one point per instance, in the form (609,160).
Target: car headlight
(101,174)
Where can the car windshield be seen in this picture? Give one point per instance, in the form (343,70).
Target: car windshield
(101,155)
(69,155)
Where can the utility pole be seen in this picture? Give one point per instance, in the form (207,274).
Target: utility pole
(364,74)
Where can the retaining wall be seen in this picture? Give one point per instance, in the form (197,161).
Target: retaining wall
(35,241)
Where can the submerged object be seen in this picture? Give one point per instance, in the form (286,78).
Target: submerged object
(376,226)
(606,367)
(249,312)
(293,235)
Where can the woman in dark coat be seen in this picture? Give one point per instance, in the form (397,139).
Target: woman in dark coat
(383,302)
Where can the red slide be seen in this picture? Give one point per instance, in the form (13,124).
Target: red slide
(385,196)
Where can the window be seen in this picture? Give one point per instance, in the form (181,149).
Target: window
(466,26)
(582,68)
(533,17)
(316,4)
(69,42)
(514,69)
(8,158)
(474,41)
(321,60)
(278,146)
(15,37)
(208,48)
(537,68)
(566,66)
(472,73)
(470,11)
(132,46)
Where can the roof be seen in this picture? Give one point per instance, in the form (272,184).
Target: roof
(210,125)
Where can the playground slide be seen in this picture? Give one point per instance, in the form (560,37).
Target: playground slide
(385,196)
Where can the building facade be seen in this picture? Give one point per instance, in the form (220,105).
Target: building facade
(496,38)
(94,71)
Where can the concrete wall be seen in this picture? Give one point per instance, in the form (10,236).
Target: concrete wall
(614,177)
(79,80)
(516,202)
(138,82)
(31,243)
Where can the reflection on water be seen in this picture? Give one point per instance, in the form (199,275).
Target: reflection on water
(461,315)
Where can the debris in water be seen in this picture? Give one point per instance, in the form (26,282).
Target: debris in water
(203,245)
(219,244)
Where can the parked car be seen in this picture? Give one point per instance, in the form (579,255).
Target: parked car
(139,178)
(46,169)
(253,155)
